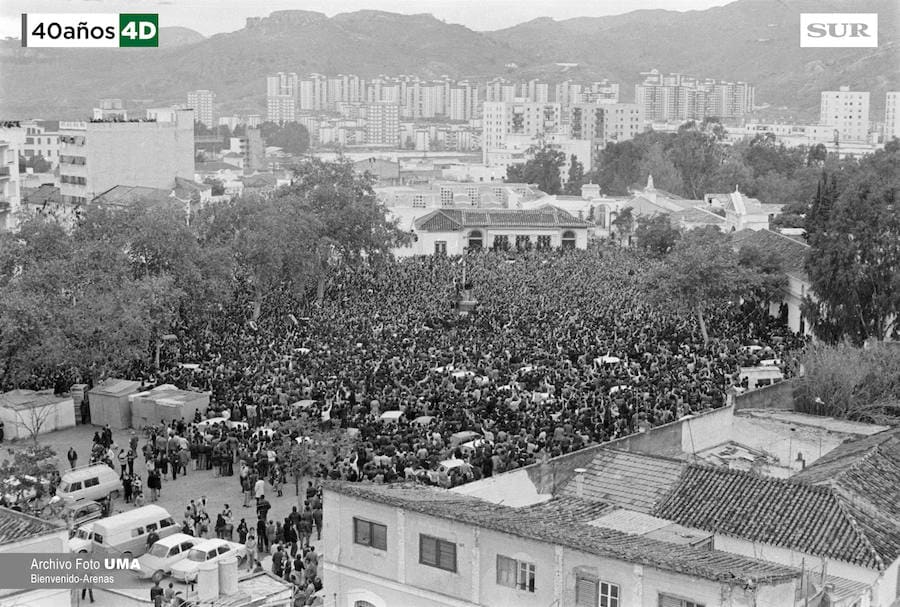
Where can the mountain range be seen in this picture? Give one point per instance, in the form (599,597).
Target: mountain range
(756,41)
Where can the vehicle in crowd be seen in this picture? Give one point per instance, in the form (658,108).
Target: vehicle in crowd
(211,550)
(126,533)
(94,482)
(158,561)
(82,540)
(83,511)
(206,424)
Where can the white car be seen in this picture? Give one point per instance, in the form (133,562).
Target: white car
(158,561)
(206,551)
(83,539)
(206,424)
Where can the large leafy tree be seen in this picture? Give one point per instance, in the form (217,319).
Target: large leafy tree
(655,234)
(700,273)
(541,169)
(576,177)
(697,154)
(854,264)
(292,137)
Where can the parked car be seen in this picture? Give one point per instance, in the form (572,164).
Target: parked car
(158,561)
(206,551)
(83,539)
(83,511)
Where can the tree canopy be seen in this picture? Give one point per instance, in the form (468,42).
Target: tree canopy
(541,169)
(854,261)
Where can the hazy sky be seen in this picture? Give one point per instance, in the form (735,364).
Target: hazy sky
(214,16)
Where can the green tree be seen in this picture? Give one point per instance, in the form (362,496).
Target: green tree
(624,224)
(697,154)
(218,188)
(854,232)
(655,234)
(292,137)
(541,169)
(575,178)
(701,272)
(766,280)
(618,168)
(665,175)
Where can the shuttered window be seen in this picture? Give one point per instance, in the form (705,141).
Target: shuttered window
(515,574)
(587,590)
(436,552)
(368,533)
(591,592)
(666,600)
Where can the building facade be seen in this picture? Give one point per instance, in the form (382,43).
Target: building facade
(282,91)
(674,97)
(415,545)
(201,102)
(847,112)
(519,117)
(892,115)
(383,123)
(12,142)
(95,156)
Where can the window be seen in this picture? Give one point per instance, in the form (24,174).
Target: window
(166,522)
(76,486)
(363,604)
(515,574)
(475,240)
(152,527)
(543,242)
(501,242)
(568,239)
(418,201)
(440,247)
(523,242)
(670,601)
(591,592)
(137,532)
(91,482)
(437,553)
(367,533)
(223,549)
(185,546)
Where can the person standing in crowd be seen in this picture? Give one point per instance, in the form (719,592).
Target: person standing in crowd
(154,485)
(261,534)
(72,457)
(252,552)
(271,534)
(242,531)
(316,506)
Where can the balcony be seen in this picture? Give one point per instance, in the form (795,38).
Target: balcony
(4,172)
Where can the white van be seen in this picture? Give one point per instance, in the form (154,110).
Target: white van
(95,482)
(127,533)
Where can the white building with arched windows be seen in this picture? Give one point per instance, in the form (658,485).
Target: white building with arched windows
(455,231)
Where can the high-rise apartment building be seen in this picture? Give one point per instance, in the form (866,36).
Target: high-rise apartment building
(676,97)
(383,123)
(892,115)
(520,117)
(603,123)
(96,156)
(281,97)
(202,103)
(848,112)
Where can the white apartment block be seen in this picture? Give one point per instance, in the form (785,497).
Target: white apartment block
(96,156)
(281,97)
(201,102)
(12,141)
(383,123)
(520,117)
(675,97)
(848,112)
(602,123)
(41,139)
(892,115)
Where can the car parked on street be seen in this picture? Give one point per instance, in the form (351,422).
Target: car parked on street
(206,551)
(158,561)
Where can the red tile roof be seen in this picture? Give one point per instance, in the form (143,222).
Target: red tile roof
(817,519)
(627,480)
(447,220)
(544,523)
(16,526)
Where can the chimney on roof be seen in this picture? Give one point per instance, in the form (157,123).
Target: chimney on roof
(579,481)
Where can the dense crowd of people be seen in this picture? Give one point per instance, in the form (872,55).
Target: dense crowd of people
(562,352)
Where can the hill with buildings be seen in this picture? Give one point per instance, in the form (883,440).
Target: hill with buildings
(750,40)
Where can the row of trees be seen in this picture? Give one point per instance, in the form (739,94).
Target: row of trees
(103,295)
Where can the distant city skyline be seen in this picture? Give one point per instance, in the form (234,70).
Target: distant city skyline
(211,17)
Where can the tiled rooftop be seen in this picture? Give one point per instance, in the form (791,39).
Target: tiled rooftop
(821,520)
(549,523)
(15,526)
(457,219)
(627,480)
(792,252)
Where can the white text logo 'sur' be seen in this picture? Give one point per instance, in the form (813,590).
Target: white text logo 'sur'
(838,30)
